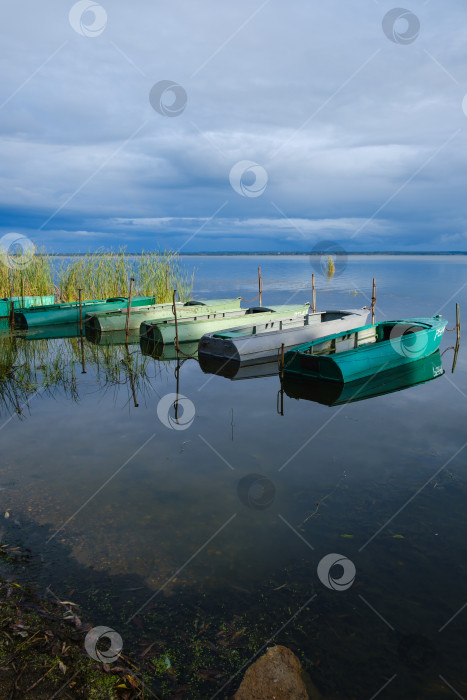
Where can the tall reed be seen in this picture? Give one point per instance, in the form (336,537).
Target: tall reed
(99,275)
(107,274)
(34,279)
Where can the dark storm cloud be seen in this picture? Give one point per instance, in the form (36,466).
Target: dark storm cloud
(361,138)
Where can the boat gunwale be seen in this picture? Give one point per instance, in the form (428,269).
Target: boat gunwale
(415,321)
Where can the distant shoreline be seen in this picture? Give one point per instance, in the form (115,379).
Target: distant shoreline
(279,253)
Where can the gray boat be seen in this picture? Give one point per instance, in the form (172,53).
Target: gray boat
(260,342)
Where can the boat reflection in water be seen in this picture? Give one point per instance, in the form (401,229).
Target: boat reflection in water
(236,370)
(378,384)
(53,332)
(159,351)
(97,337)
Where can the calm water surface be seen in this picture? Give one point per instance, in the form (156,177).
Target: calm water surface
(119,508)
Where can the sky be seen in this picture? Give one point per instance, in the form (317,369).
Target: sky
(247,126)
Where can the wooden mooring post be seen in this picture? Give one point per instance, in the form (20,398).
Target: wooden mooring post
(458,322)
(313,291)
(174,310)
(128,311)
(260,287)
(373,301)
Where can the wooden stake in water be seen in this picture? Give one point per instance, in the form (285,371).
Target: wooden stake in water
(166,280)
(260,286)
(282,361)
(174,309)
(458,322)
(313,292)
(128,311)
(80,312)
(373,302)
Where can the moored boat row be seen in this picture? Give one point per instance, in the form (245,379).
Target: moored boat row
(332,345)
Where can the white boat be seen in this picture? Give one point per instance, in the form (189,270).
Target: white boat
(260,342)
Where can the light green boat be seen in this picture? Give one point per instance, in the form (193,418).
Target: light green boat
(69,313)
(163,332)
(104,321)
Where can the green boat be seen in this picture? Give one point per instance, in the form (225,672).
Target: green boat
(24,303)
(381,383)
(104,321)
(69,312)
(346,357)
(163,332)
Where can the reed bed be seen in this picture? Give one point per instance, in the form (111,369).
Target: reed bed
(34,279)
(107,274)
(99,275)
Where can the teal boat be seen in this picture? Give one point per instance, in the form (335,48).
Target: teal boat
(381,383)
(163,332)
(24,303)
(104,321)
(346,357)
(69,312)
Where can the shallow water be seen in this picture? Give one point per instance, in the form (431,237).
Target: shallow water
(135,500)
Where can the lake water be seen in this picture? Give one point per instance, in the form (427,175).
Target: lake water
(213,527)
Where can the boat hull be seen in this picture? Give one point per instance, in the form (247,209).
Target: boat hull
(192,331)
(370,349)
(70,313)
(379,384)
(264,340)
(116,320)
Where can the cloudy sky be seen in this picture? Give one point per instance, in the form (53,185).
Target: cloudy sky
(215,126)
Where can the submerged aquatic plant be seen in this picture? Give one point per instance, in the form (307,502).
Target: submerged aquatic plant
(331,268)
